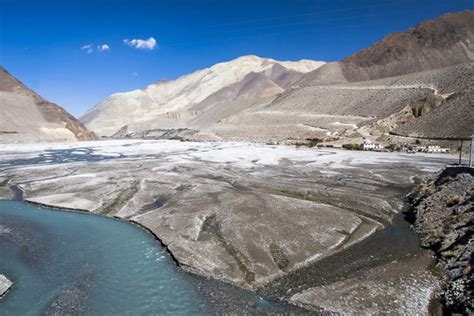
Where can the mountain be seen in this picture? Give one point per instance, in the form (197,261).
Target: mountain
(443,42)
(27,117)
(417,83)
(232,85)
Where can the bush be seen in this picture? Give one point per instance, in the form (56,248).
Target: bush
(309,142)
(313,141)
(454,200)
(393,147)
(353,146)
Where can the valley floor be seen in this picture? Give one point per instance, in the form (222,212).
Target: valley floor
(305,225)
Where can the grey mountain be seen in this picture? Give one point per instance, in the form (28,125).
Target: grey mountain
(27,117)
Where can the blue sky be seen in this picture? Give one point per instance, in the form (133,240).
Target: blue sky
(40,41)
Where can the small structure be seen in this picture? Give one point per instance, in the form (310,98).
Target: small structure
(436,149)
(368,145)
(471,146)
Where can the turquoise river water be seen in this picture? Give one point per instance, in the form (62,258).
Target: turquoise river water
(75,263)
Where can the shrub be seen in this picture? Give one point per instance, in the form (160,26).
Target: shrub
(313,141)
(454,200)
(393,147)
(353,146)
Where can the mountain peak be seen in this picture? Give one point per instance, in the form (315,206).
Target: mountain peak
(186,92)
(250,58)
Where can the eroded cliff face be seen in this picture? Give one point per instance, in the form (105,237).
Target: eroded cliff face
(27,117)
(443,214)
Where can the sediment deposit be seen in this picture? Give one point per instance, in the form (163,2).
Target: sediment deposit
(252,215)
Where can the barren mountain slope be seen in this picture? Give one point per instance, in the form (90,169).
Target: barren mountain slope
(192,94)
(413,83)
(442,42)
(27,117)
(422,104)
(454,117)
(416,83)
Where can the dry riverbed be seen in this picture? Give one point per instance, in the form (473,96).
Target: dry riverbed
(317,228)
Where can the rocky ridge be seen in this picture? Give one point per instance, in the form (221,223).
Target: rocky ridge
(26,117)
(442,42)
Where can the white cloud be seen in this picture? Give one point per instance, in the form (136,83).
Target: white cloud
(148,44)
(103,48)
(87,48)
(135,74)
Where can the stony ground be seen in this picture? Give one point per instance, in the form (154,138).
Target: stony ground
(444,219)
(248,214)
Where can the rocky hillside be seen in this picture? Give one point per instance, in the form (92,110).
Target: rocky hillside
(224,89)
(417,83)
(27,117)
(443,214)
(443,42)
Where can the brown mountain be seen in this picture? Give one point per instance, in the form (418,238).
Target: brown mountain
(417,83)
(433,44)
(27,117)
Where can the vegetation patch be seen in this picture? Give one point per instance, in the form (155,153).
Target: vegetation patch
(309,142)
(279,256)
(353,146)
(431,268)
(122,199)
(394,147)
(4,182)
(211,225)
(453,200)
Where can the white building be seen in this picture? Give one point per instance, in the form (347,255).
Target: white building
(436,149)
(372,146)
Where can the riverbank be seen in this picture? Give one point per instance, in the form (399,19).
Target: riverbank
(442,213)
(252,215)
(79,263)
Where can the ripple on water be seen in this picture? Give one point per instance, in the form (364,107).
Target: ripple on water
(120,262)
(72,262)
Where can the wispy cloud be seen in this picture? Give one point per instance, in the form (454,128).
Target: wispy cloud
(87,48)
(103,48)
(149,44)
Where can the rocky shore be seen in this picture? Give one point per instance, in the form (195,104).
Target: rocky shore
(443,216)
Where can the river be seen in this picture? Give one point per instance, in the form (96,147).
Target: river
(71,262)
